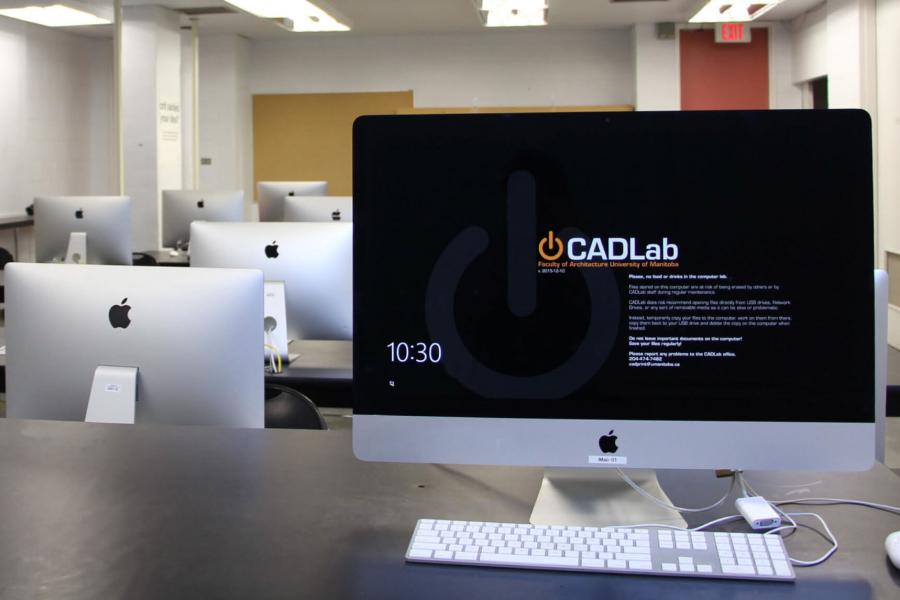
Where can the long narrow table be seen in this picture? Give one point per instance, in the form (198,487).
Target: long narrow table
(108,511)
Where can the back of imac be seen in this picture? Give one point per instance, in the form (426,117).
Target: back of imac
(180,208)
(271,195)
(193,335)
(106,221)
(314,260)
(622,290)
(318,209)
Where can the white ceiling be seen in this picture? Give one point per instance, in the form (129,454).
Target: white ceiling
(441,16)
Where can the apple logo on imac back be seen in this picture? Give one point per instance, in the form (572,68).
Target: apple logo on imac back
(608,443)
(201,203)
(79,214)
(336,215)
(272,250)
(118,315)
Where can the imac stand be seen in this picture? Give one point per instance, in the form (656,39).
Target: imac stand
(76,253)
(113,395)
(275,324)
(599,497)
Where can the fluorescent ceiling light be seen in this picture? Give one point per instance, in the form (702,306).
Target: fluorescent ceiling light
(513,13)
(56,15)
(724,11)
(302,14)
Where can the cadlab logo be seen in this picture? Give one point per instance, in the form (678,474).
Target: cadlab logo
(583,252)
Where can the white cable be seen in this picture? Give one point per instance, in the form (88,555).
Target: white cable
(659,502)
(828,501)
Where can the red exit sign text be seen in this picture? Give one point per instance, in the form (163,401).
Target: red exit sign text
(733,33)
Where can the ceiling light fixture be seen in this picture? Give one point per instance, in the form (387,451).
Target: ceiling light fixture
(56,15)
(726,11)
(513,13)
(295,15)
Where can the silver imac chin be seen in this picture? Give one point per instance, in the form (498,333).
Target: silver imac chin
(318,209)
(105,221)
(63,321)
(271,195)
(314,260)
(182,207)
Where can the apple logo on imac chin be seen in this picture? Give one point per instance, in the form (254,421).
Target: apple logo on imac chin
(79,214)
(272,250)
(118,315)
(201,203)
(608,443)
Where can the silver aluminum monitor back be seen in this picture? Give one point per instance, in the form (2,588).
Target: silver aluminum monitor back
(314,260)
(318,209)
(194,336)
(106,221)
(182,207)
(271,195)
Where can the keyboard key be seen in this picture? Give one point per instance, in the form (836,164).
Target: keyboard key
(617,564)
(443,554)
(686,567)
(704,568)
(420,553)
(764,570)
(465,555)
(593,563)
(644,565)
(738,570)
(781,567)
(526,561)
(428,546)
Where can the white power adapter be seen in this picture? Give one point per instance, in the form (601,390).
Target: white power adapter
(758,512)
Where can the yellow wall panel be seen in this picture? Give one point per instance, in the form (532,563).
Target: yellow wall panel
(299,137)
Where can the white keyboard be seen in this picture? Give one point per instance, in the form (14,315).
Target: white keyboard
(643,551)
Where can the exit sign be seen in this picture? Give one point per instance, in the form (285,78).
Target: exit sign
(733,33)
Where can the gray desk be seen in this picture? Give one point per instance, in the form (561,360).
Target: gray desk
(106,511)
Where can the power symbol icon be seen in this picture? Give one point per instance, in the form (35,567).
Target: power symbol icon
(551,241)
(601,287)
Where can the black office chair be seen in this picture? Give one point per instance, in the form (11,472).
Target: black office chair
(142,259)
(287,408)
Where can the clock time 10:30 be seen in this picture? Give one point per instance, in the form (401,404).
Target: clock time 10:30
(417,352)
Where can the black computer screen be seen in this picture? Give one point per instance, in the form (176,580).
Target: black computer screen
(656,266)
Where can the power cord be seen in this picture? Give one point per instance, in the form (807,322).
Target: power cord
(658,502)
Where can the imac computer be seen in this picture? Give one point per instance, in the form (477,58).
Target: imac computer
(271,195)
(191,337)
(318,209)
(83,229)
(679,290)
(313,260)
(180,208)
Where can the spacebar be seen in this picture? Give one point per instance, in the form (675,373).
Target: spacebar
(528,561)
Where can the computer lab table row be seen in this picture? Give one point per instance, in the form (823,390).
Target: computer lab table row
(113,511)
(322,369)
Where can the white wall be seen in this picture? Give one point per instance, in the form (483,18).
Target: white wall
(55,114)
(509,68)
(837,39)
(55,117)
(151,75)
(657,84)
(888,126)
(810,43)
(225,115)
